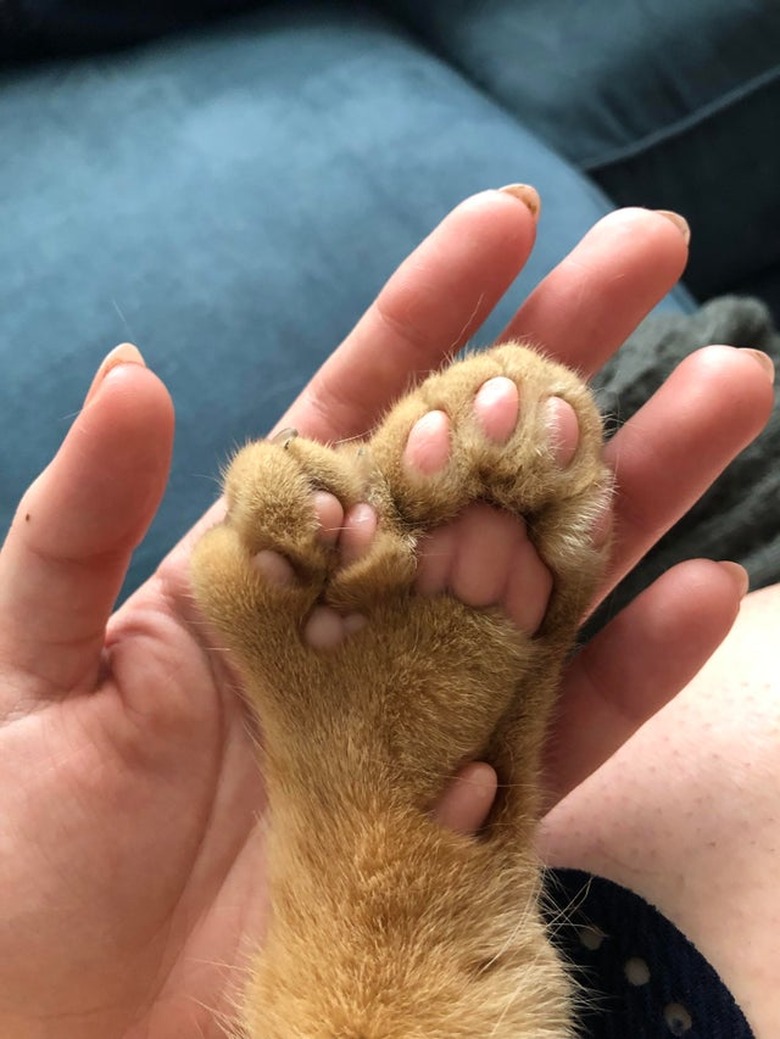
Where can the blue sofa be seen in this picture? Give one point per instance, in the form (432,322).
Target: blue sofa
(230,192)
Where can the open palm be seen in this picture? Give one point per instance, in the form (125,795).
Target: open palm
(131,802)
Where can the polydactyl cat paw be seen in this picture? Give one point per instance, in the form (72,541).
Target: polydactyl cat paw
(316,537)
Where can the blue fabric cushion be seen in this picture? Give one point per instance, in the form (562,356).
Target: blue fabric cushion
(665,103)
(231,201)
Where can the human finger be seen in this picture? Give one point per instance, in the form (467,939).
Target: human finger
(67,552)
(466,802)
(667,455)
(427,310)
(597,295)
(637,663)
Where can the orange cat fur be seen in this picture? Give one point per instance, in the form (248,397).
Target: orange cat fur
(385,925)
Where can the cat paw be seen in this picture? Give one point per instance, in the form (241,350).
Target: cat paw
(512,429)
(268,564)
(480,484)
(423,587)
(483,557)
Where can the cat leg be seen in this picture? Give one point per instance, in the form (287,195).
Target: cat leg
(562,493)
(360,736)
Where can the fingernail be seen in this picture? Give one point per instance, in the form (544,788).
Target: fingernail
(679,222)
(739,575)
(125,353)
(766,362)
(528,196)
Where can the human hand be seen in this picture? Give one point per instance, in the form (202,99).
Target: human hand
(131,797)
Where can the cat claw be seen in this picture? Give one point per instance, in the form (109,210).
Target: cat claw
(284,436)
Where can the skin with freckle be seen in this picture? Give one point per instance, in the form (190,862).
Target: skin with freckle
(384,923)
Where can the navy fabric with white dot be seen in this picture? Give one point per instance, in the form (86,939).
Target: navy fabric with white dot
(642,977)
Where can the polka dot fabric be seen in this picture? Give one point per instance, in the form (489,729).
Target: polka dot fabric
(643,978)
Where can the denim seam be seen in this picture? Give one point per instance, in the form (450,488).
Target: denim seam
(706,112)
